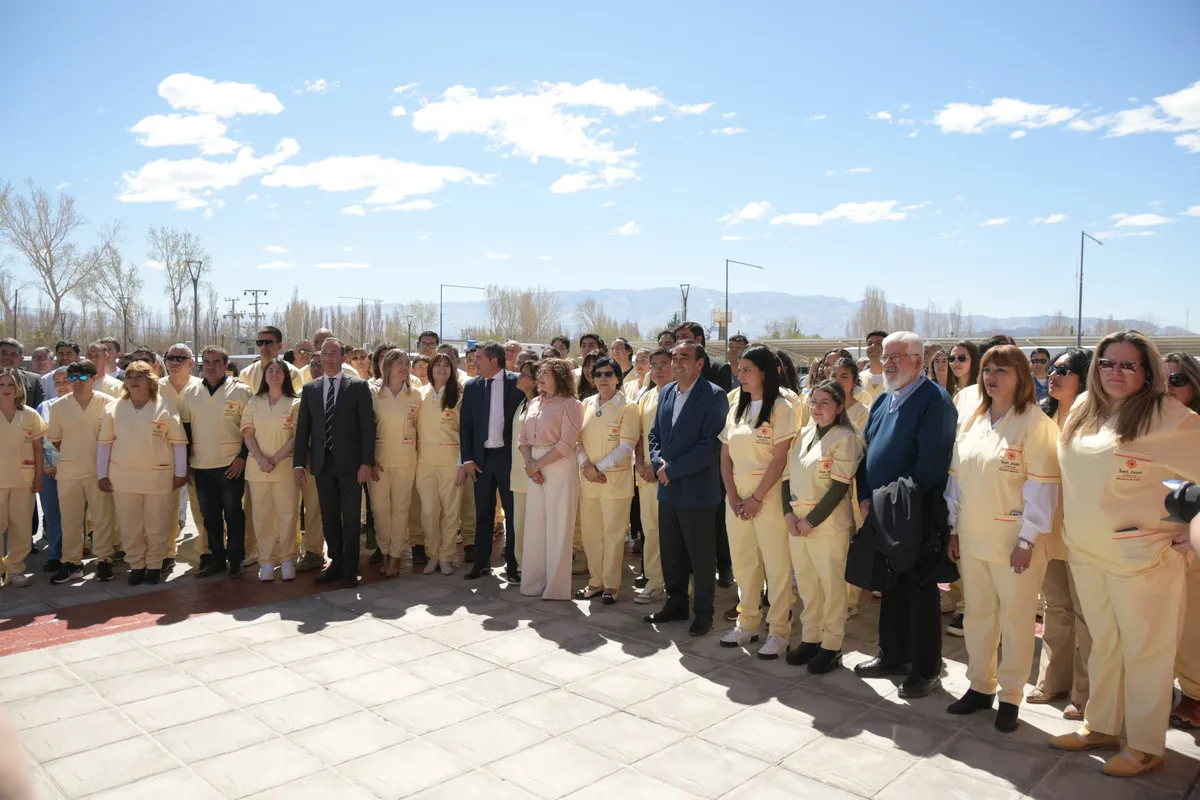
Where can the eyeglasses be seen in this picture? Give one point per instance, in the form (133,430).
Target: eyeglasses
(265,342)
(895,358)
(1039,361)
(1178,380)
(961,358)
(607,373)
(1108,365)
(304,351)
(74,378)
(177,359)
(1061,370)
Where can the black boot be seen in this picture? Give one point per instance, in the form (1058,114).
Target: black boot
(971,702)
(799,656)
(825,661)
(418,555)
(153,575)
(1006,717)
(136,576)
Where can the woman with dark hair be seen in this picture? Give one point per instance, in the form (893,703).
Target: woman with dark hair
(587,387)
(1001,496)
(269,431)
(376,368)
(440,476)
(1121,441)
(547,442)
(938,370)
(1183,379)
(754,451)
(964,363)
(610,430)
(788,377)
(397,406)
(844,372)
(819,514)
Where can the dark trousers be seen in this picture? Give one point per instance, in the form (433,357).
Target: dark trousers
(340,497)
(635,515)
(910,627)
(494,476)
(687,539)
(220,501)
(724,559)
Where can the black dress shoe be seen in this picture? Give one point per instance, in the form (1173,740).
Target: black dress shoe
(418,555)
(640,582)
(168,564)
(799,656)
(825,661)
(666,615)
(1006,718)
(913,688)
(350,582)
(469,554)
(700,626)
(725,577)
(376,557)
(971,702)
(51,565)
(205,560)
(136,576)
(330,575)
(153,576)
(104,572)
(213,567)
(732,614)
(477,571)
(235,569)
(512,576)
(878,668)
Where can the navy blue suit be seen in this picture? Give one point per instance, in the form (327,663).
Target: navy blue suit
(494,464)
(688,503)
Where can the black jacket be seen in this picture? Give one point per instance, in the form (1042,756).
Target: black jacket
(907,531)
(717,371)
(353,428)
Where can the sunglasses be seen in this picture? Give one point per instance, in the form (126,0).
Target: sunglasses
(1061,370)
(961,358)
(607,373)
(1039,361)
(74,378)
(176,359)
(1108,365)
(1178,380)
(304,351)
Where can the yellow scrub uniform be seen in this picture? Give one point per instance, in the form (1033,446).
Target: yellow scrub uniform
(858,413)
(108,385)
(76,431)
(165,389)
(306,372)
(142,468)
(518,481)
(966,400)
(276,502)
(1125,570)
(1187,660)
(992,465)
(604,507)
(396,456)
(759,546)
(252,376)
(17,440)
(819,559)
(872,389)
(631,384)
(648,498)
(437,470)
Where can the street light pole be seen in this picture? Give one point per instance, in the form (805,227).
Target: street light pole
(684,288)
(442,301)
(1083,237)
(194,273)
(729,261)
(410,318)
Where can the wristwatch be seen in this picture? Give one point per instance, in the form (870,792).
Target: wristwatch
(1024,544)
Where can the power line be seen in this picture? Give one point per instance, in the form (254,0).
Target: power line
(234,316)
(257,316)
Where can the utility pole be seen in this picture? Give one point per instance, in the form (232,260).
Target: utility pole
(257,315)
(362,316)
(684,288)
(125,300)
(195,269)
(234,316)
(410,319)
(1083,237)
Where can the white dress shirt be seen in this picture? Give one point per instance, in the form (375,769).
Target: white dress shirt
(495,431)
(680,401)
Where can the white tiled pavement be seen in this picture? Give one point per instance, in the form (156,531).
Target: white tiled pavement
(430,687)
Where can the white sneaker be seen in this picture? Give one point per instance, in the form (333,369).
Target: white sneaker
(649,595)
(774,648)
(266,573)
(851,611)
(447,568)
(739,637)
(19,579)
(288,570)
(431,567)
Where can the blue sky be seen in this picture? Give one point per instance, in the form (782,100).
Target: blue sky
(551,155)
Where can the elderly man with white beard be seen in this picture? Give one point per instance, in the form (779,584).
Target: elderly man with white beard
(910,434)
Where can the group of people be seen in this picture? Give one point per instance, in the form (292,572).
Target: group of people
(1031,485)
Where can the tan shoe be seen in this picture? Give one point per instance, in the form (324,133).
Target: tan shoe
(1074,712)
(1083,739)
(1130,763)
(394,566)
(1038,697)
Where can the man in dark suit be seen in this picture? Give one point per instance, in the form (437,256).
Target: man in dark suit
(12,354)
(485,442)
(336,429)
(685,454)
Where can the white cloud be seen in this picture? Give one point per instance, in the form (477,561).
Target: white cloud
(816,118)
(906,121)
(250,198)
(543,258)
(729,115)
(881,115)
(917,206)
(728,131)
(354,211)
(341,265)
(403,90)
(1004,112)
(347,248)
(497,256)
(183,182)
(696,108)
(199,130)
(611,203)
(914,134)
(273,205)
(732,238)
(421,204)
(390,180)
(604,179)
(61,186)
(1106,235)
(275,248)
(1139,220)
(747,213)
(1052,219)
(629,229)
(658,118)
(1018,135)
(399,111)
(994,221)
(424,236)
(859,170)
(1194,211)
(859,213)
(319,86)
(154,264)
(276,265)
(221,99)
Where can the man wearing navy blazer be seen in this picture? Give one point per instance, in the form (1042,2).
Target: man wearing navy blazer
(685,454)
(485,442)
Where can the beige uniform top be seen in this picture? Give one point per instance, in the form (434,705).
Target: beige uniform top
(79,431)
(1113,493)
(143,459)
(1055,547)
(966,400)
(631,385)
(108,385)
(872,389)
(272,429)
(604,427)
(17,440)
(859,413)
(814,465)
(517,479)
(992,465)
(753,448)
(648,407)
(306,372)
(216,421)
(396,427)
(165,389)
(252,376)
(437,429)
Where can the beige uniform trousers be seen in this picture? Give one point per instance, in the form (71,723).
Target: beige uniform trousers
(550,513)
(314,530)
(519,522)
(820,565)
(390,497)
(416,533)
(1187,660)
(466,511)
(1066,642)
(441,503)
(651,548)
(197,520)
(1001,608)
(605,521)
(759,550)
(146,526)
(16,513)
(276,506)
(77,498)
(1135,623)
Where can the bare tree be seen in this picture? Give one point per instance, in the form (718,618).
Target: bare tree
(872,313)
(172,249)
(1058,325)
(118,288)
(210,325)
(43,230)
(527,315)
(955,320)
(10,290)
(590,317)
(903,318)
(785,328)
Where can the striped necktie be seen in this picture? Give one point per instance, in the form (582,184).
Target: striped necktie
(329,405)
